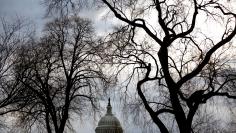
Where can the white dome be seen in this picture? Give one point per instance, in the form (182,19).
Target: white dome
(109,123)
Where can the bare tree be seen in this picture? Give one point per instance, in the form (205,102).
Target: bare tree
(61,74)
(12,34)
(175,54)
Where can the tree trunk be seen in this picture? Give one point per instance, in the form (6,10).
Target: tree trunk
(48,123)
(173,90)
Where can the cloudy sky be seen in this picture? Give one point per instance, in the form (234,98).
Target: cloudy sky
(30,10)
(34,11)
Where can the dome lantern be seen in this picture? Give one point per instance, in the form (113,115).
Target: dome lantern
(109,123)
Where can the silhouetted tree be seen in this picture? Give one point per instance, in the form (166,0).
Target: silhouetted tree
(61,74)
(177,54)
(12,34)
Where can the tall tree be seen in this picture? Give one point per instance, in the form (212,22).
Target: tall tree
(61,74)
(177,54)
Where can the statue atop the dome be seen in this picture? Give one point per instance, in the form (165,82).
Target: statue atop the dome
(109,108)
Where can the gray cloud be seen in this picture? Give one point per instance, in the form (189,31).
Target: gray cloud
(30,10)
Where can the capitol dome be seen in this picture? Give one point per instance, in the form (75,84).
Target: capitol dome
(109,123)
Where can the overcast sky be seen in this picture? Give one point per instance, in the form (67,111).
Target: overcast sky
(29,10)
(34,11)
